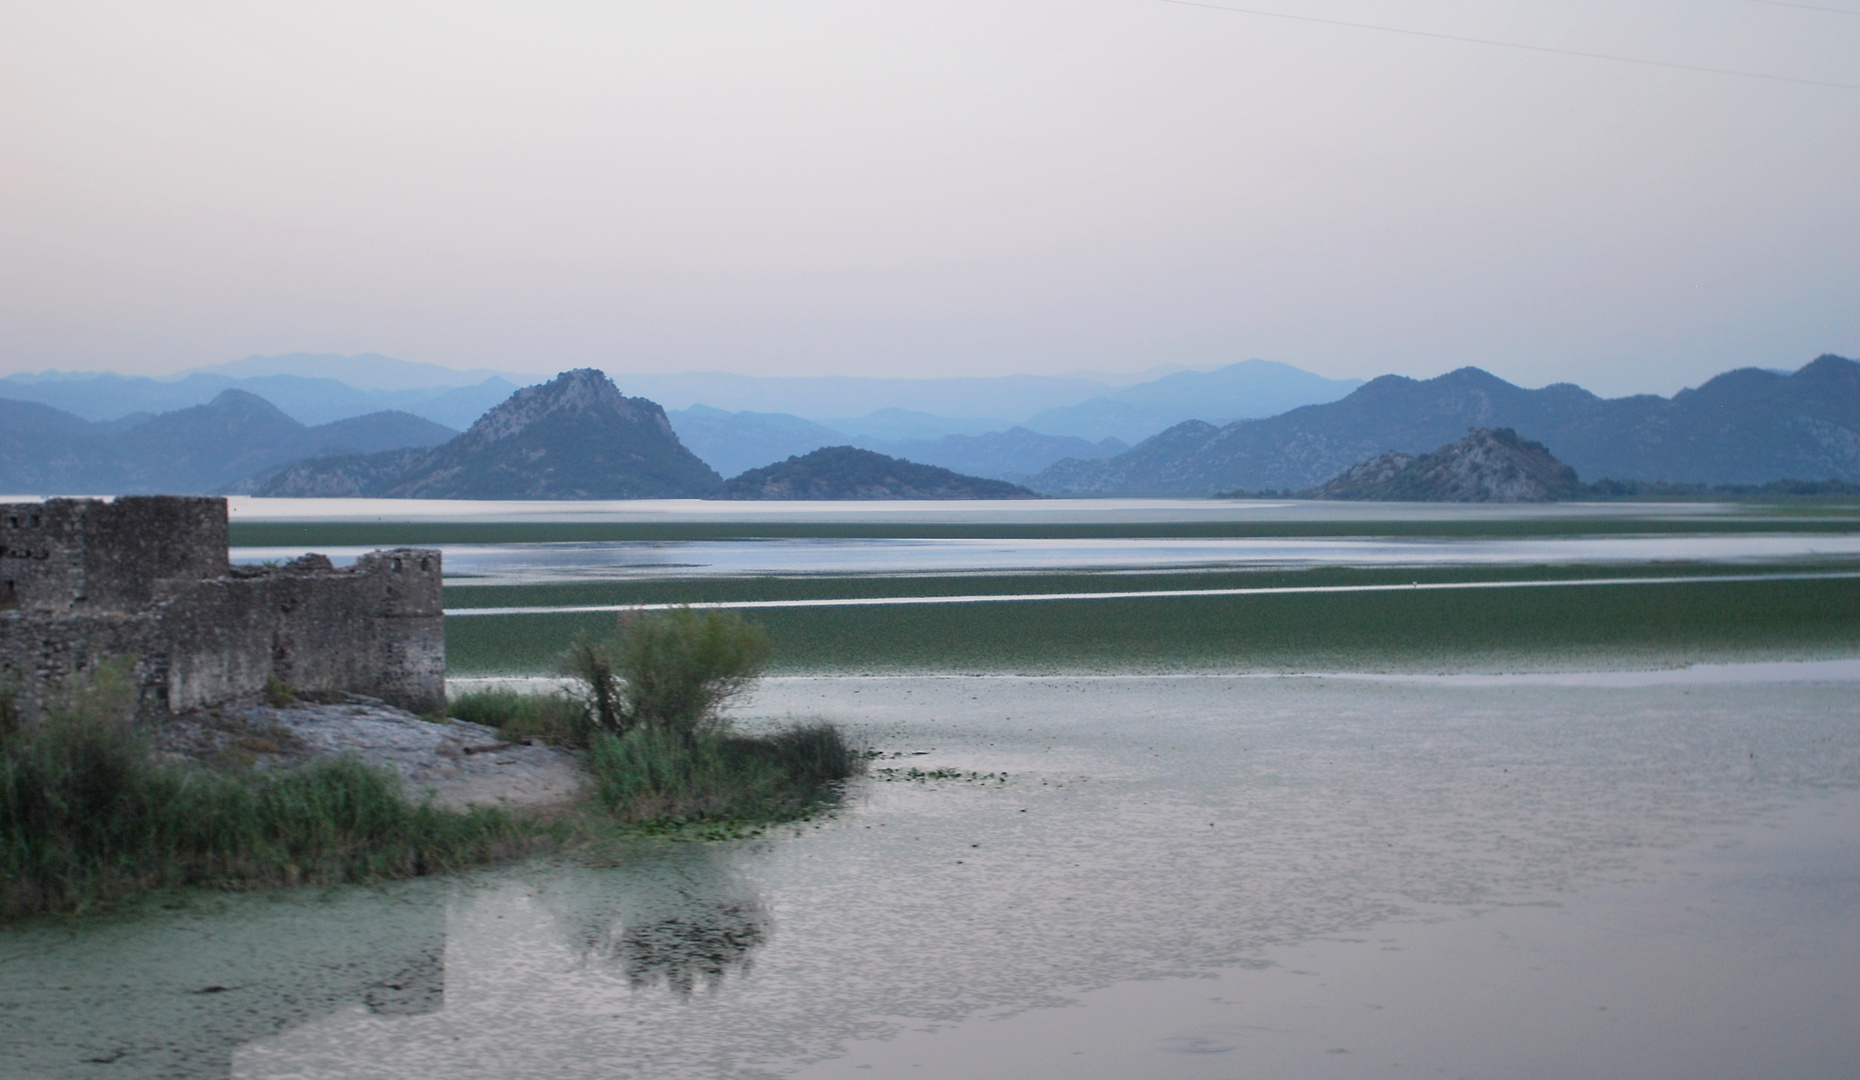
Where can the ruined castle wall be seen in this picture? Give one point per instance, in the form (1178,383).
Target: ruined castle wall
(377,628)
(148,577)
(41,554)
(63,554)
(39,651)
(134,543)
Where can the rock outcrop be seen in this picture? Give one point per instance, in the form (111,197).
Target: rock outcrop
(1488,465)
(574,437)
(455,763)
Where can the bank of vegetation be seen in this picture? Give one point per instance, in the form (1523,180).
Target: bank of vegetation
(88,816)
(649,717)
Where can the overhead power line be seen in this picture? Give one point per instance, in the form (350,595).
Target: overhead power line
(1804,7)
(1518,45)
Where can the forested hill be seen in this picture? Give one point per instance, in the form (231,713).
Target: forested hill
(846,472)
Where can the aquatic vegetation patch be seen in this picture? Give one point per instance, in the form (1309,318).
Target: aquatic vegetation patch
(923,775)
(655,777)
(1432,630)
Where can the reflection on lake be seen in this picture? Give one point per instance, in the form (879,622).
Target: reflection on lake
(504,564)
(686,926)
(1156,846)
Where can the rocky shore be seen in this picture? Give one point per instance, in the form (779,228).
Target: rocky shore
(455,763)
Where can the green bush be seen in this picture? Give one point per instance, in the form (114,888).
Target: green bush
(662,751)
(672,670)
(87,816)
(554,718)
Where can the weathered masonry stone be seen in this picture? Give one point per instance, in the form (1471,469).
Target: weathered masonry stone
(84,580)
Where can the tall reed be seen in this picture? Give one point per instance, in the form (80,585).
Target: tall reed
(86,816)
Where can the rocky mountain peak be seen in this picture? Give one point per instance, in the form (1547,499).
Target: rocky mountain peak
(582,394)
(1488,465)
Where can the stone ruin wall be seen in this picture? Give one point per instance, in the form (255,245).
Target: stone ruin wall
(83,580)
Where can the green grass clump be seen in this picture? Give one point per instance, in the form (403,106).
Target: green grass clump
(554,718)
(655,775)
(87,817)
(663,753)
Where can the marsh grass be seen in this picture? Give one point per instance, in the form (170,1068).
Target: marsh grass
(555,719)
(87,817)
(652,775)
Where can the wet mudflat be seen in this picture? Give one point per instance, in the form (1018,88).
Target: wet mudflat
(1090,877)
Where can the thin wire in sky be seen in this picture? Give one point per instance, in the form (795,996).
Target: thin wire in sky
(1517,45)
(1804,7)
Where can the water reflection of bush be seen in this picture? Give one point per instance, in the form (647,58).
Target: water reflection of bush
(681,918)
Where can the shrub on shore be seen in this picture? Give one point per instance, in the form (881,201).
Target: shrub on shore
(662,751)
(671,670)
(86,816)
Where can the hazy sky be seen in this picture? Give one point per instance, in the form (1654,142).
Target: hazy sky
(932,188)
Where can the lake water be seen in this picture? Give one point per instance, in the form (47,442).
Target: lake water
(506,564)
(988,512)
(502,564)
(1134,876)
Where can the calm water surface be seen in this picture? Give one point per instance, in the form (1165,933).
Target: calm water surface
(505,564)
(994,511)
(1112,877)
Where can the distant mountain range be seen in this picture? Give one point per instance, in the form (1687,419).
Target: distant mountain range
(903,417)
(574,437)
(1243,391)
(846,472)
(306,399)
(734,442)
(1743,427)
(205,448)
(584,439)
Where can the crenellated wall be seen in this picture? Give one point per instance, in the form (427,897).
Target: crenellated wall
(83,580)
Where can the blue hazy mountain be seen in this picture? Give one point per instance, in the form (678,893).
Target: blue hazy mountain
(318,388)
(1749,426)
(364,371)
(824,399)
(1014,454)
(1242,391)
(734,442)
(197,450)
(307,399)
